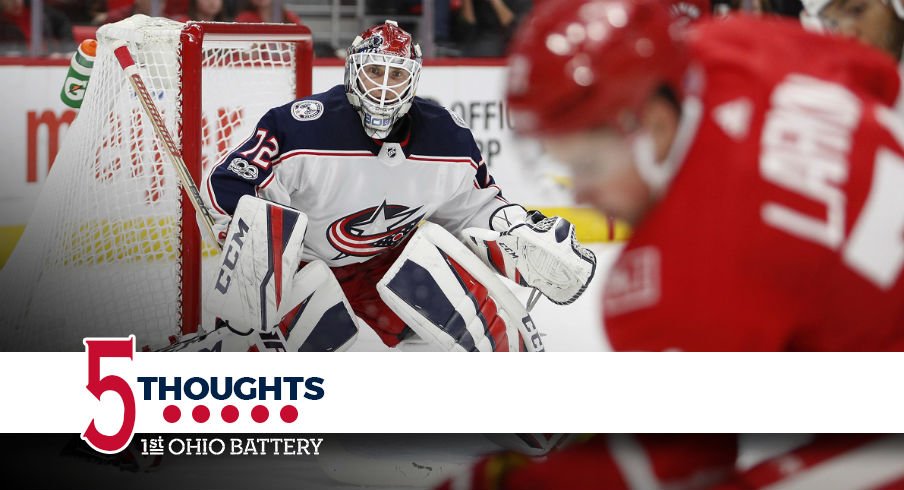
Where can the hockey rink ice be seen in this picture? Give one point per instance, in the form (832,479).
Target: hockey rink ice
(356,461)
(345,461)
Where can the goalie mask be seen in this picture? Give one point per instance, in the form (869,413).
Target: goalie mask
(381,75)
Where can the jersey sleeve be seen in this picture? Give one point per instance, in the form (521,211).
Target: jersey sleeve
(865,460)
(247,169)
(475,201)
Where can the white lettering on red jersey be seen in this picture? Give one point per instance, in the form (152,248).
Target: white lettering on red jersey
(784,226)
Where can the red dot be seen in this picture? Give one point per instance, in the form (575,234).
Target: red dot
(171,414)
(289,414)
(200,414)
(260,414)
(230,414)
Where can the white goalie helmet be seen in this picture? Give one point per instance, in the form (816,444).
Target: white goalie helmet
(382,69)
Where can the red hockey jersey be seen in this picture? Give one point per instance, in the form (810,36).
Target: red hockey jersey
(783,226)
(782,229)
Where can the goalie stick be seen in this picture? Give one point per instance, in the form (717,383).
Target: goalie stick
(127,63)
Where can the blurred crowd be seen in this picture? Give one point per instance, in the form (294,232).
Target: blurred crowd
(466,28)
(67,22)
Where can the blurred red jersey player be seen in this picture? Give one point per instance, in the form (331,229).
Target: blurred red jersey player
(763,182)
(764,186)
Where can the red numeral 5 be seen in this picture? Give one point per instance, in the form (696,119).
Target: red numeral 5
(98,349)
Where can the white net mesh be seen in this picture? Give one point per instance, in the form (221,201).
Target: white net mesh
(101,255)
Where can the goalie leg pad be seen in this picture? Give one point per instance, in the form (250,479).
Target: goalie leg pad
(259,259)
(316,316)
(447,296)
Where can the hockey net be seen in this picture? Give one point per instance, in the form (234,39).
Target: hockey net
(113,247)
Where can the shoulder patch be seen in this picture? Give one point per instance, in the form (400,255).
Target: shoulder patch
(307,110)
(243,169)
(458,120)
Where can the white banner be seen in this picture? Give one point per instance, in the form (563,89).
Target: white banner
(446,393)
(36,120)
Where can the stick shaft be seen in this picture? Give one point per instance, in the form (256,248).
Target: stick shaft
(188,184)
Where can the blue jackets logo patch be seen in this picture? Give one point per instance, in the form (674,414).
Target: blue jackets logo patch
(373,230)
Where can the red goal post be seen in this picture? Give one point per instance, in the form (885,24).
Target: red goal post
(112,247)
(192,40)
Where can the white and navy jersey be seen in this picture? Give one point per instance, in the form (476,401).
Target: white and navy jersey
(362,196)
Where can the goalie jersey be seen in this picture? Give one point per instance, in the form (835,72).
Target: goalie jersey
(362,196)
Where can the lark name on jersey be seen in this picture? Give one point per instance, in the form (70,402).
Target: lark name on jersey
(806,142)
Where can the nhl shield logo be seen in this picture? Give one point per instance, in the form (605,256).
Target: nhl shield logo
(307,110)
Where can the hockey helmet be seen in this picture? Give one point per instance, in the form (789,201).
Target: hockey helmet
(382,69)
(579,64)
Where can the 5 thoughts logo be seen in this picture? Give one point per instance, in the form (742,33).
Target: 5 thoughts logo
(231,398)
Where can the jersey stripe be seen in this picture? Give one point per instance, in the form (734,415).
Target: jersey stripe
(322,153)
(869,466)
(424,158)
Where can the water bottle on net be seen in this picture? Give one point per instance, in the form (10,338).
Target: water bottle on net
(79,72)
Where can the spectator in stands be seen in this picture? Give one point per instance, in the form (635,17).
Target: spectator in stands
(106,13)
(442,10)
(104,16)
(206,10)
(722,8)
(485,26)
(11,30)
(787,8)
(262,11)
(77,11)
(231,8)
(15,25)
